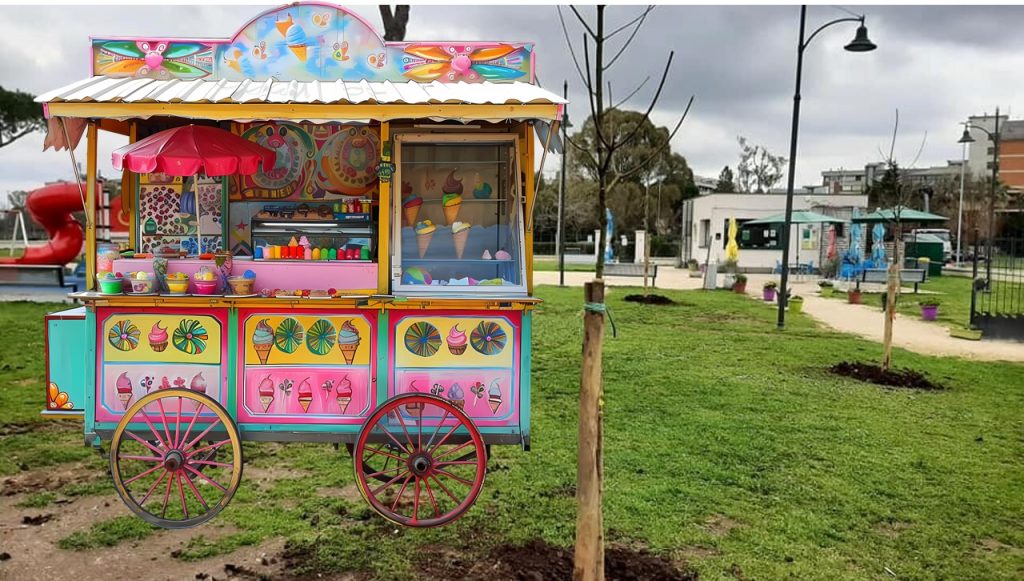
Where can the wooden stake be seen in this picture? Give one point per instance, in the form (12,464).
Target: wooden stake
(892,288)
(589,556)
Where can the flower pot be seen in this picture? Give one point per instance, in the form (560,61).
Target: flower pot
(728,280)
(929,312)
(853,297)
(796,306)
(826,291)
(768,294)
(739,287)
(694,272)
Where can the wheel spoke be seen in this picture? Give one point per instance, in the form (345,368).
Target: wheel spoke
(143,442)
(390,483)
(383,453)
(404,430)
(140,458)
(200,436)
(152,428)
(397,443)
(152,488)
(453,477)
(436,428)
(181,493)
(212,463)
(167,495)
(446,491)
(213,446)
(385,471)
(457,462)
(195,492)
(452,451)
(398,498)
(430,494)
(205,477)
(195,416)
(416,501)
(445,437)
(147,472)
(177,423)
(163,420)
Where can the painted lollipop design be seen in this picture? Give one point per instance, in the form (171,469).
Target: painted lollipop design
(124,336)
(289,335)
(190,337)
(488,338)
(321,337)
(422,339)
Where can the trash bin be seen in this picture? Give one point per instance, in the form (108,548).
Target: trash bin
(925,246)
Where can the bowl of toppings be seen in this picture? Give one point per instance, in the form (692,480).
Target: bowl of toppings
(242,285)
(141,282)
(205,282)
(110,283)
(177,283)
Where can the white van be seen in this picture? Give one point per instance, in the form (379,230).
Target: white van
(940,233)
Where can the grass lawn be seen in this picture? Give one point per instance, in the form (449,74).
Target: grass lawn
(546,264)
(727,447)
(953,292)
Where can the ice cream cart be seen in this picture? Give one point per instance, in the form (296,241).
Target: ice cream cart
(330,241)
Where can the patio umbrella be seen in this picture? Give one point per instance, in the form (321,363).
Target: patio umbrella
(797,217)
(878,244)
(732,248)
(194,149)
(905,215)
(831,253)
(854,255)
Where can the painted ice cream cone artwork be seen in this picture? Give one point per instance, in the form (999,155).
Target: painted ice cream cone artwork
(305,394)
(415,408)
(460,234)
(296,41)
(348,341)
(411,204)
(457,396)
(494,396)
(266,390)
(344,394)
(457,341)
(124,389)
(158,337)
(198,383)
(424,233)
(263,341)
(451,200)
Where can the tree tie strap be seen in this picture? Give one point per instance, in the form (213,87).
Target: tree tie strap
(603,309)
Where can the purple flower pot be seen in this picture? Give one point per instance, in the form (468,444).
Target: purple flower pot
(768,294)
(929,312)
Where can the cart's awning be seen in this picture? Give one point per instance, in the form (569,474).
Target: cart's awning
(127,98)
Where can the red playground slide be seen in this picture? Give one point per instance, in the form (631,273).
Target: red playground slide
(51,207)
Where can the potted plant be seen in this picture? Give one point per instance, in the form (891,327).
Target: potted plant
(728,273)
(796,304)
(825,287)
(929,309)
(694,267)
(740,286)
(768,291)
(853,296)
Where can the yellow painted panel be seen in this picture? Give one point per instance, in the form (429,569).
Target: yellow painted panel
(298,338)
(431,334)
(189,338)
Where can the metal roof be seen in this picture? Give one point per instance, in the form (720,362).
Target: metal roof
(101,89)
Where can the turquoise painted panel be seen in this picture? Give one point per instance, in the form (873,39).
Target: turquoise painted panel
(66,380)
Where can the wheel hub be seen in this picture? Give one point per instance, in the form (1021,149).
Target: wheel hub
(420,463)
(174,460)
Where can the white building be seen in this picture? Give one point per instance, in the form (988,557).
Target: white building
(979,153)
(706,226)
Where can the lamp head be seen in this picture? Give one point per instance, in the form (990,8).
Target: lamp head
(966,137)
(861,42)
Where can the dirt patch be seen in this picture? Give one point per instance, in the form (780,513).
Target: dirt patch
(892,529)
(37,520)
(538,560)
(997,546)
(719,525)
(649,299)
(696,552)
(48,479)
(350,493)
(870,373)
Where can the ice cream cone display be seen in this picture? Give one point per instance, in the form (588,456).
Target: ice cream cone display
(348,341)
(424,233)
(263,341)
(494,396)
(457,341)
(158,338)
(266,390)
(451,200)
(481,189)
(305,394)
(296,41)
(457,396)
(124,389)
(460,234)
(411,204)
(344,394)
(198,383)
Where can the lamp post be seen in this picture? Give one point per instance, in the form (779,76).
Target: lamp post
(994,136)
(960,206)
(860,43)
(560,231)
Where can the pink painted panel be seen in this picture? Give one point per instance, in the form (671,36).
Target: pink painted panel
(278,395)
(339,274)
(487,394)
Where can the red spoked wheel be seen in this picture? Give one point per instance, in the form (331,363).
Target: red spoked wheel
(176,458)
(420,461)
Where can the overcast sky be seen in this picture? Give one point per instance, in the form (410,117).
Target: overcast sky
(936,64)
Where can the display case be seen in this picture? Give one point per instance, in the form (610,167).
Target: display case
(338,232)
(180,216)
(460,215)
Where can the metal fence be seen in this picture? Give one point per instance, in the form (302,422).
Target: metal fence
(997,304)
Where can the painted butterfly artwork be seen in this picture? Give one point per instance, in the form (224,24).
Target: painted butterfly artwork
(322,19)
(377,60)
(154,59)
(477,389)
(451,63)
(341,51)
(260,51)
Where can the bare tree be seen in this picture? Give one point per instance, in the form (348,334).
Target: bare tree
(758,169)
(394,22)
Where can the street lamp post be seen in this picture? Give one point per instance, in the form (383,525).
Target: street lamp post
(860,43)
(960,206)
(994,136)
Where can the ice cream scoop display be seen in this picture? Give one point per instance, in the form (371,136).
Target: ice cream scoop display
(310,256)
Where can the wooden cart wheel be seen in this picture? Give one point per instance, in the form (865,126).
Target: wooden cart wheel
(161,461)
(432,455)
(351,449)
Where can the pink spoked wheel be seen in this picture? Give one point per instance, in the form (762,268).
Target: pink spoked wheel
(176,458)
(430,455)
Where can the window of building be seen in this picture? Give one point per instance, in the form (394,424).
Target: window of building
(704,236)
(991,150)
(763,236)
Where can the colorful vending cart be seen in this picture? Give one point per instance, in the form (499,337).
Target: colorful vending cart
(330,240)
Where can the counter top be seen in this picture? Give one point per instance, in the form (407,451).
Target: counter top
(372,301)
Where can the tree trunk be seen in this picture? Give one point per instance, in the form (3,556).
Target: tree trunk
(891,295)
(589,555)
(602,163)
(394,23)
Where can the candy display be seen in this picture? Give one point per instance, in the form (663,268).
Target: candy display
(456,340)
(190,337)
(321,337)
(110,283)
(158,337)
(488,338)
(289,335)
(348,341)
(177,283)
(424,233)
(422,339)
(124,335)
(141,282)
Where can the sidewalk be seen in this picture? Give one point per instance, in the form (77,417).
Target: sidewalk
(861,320)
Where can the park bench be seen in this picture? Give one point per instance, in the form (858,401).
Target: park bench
(629,269)
(880,275)
(34,275)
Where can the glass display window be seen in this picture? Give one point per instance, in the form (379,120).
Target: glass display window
(180,216)
(458,216)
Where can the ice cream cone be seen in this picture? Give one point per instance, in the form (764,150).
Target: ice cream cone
(299,50)
(460,242)
(304,402)
(451,213)
(495,403)
(265,401)
(125,398)
(263,351)
(459,403)
(423,240)
(343,403)
(348,351)
(410,214)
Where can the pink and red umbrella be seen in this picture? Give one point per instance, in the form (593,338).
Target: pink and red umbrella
(194,149)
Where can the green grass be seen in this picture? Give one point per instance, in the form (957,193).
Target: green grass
(953,293)
(548,265)
(710,414)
